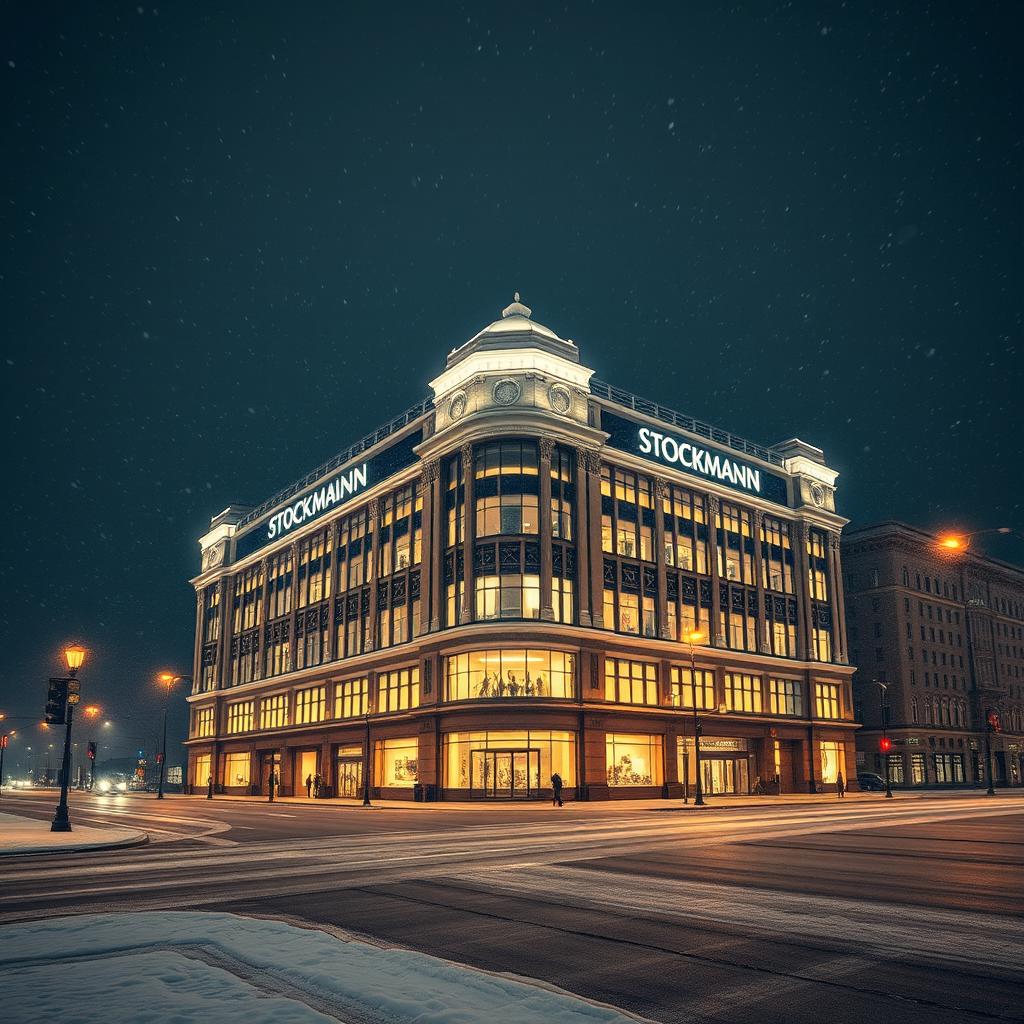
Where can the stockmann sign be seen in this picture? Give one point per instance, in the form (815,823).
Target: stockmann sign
(694,457)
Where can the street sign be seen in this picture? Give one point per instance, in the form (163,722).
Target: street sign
(74,686)
(74,698)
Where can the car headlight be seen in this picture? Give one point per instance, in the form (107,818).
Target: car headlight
(122,787)
(103,785)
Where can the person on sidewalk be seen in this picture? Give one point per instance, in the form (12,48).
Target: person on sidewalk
(556,790)
(840,786)
(309,786)
(317,783)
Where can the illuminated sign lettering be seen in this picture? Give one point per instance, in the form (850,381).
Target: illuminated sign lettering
(310,506)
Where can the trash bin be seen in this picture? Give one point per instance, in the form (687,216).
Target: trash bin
(417,792)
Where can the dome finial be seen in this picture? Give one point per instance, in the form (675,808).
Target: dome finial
(517,309)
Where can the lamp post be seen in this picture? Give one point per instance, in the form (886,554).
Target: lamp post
(5,738)
(366,764)
(92,712)
(168,679)
(693,639)
(74,656)
(884,705)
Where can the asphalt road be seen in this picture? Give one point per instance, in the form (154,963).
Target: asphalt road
(908,910)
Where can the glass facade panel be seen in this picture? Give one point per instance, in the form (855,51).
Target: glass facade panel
(786,697)
(743,692)
(311,705)
(682,688)
(833,760)
(398,690)
(634,760)
(201,772)
(240,716)
(203,722)
(396,761)
(826,700)
(350,698)
(557,753)
(510,673)
(274,711)
(236,769)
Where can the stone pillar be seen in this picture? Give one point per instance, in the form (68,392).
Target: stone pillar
(762,626)
(835,595)
(226,632)
(661,492)
(803,593)
(197,647)
(435,551)
(592,460)
(261,643)
(427,489)
(583,538)
(716,638)
(373,510)
(546,448)
(293,619)
(332,629)
(469,542)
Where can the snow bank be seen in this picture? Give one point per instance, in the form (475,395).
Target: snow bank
(152,968)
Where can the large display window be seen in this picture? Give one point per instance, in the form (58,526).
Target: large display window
(236,770)
(509,764)
(504,673)
(396,762)
(634,760)
(201,775)
(833,760)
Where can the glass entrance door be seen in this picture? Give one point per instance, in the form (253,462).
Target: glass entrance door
(504,774)
(350,777)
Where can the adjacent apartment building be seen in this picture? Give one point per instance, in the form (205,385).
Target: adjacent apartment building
(499,584)
(938,638)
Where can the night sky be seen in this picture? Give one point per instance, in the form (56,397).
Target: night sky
(239,237)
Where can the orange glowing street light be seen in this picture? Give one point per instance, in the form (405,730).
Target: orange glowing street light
(92,711)
(168,679)
(952,542)
(74,656)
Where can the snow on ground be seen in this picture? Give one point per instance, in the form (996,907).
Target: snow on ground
(33,835)
(204,967)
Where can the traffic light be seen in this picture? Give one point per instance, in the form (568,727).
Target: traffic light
(885,744)
(57,701)
(3,742)
(90,751)
(159,758)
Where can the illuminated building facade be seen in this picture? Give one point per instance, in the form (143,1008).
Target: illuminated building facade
(498,585)
(943,632)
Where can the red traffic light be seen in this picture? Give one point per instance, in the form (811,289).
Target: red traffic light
(90,751)
(159,758)
(885,744)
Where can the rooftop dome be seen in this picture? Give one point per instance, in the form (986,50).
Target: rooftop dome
(515,329)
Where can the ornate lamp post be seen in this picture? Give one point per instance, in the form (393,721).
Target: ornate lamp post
(74,657)
(366,763)
(885,744)
(693,639)
(167,680)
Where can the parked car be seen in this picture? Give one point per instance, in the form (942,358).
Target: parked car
(869,780)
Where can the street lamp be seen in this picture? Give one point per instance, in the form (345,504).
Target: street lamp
(694,638)
(885,744)
(74,658)
(92,712)
(168,679)
(5,738)
(956,544)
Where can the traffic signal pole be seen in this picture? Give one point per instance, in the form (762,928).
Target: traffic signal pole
(61,821)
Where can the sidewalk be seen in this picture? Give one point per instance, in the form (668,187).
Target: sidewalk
(598,806)
(20,835)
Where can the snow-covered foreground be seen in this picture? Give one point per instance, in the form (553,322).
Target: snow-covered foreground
(183,967)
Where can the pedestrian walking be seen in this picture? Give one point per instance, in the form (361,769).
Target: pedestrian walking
(840,786)
(556,790)
(271,783)
(209,787)
(317,783)
(309,785)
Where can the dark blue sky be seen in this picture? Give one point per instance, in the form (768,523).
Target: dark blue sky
(238,238)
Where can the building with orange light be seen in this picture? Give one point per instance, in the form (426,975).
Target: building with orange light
(942,629)
(497,586)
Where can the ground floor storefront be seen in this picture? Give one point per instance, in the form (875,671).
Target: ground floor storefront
(917,761)
(470,755)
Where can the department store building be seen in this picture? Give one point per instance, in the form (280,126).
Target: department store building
(499,585)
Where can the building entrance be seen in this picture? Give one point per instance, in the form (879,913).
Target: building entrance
(504,774)
(350,777)
(724,765)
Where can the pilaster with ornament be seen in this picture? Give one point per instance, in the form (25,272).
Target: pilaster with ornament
(835,598)
(582,539)
(717,637)
(546,448)
(592,466)
(762,624)
(373,511)
(804,609)
(469,539)
(661,493)
(429,609)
